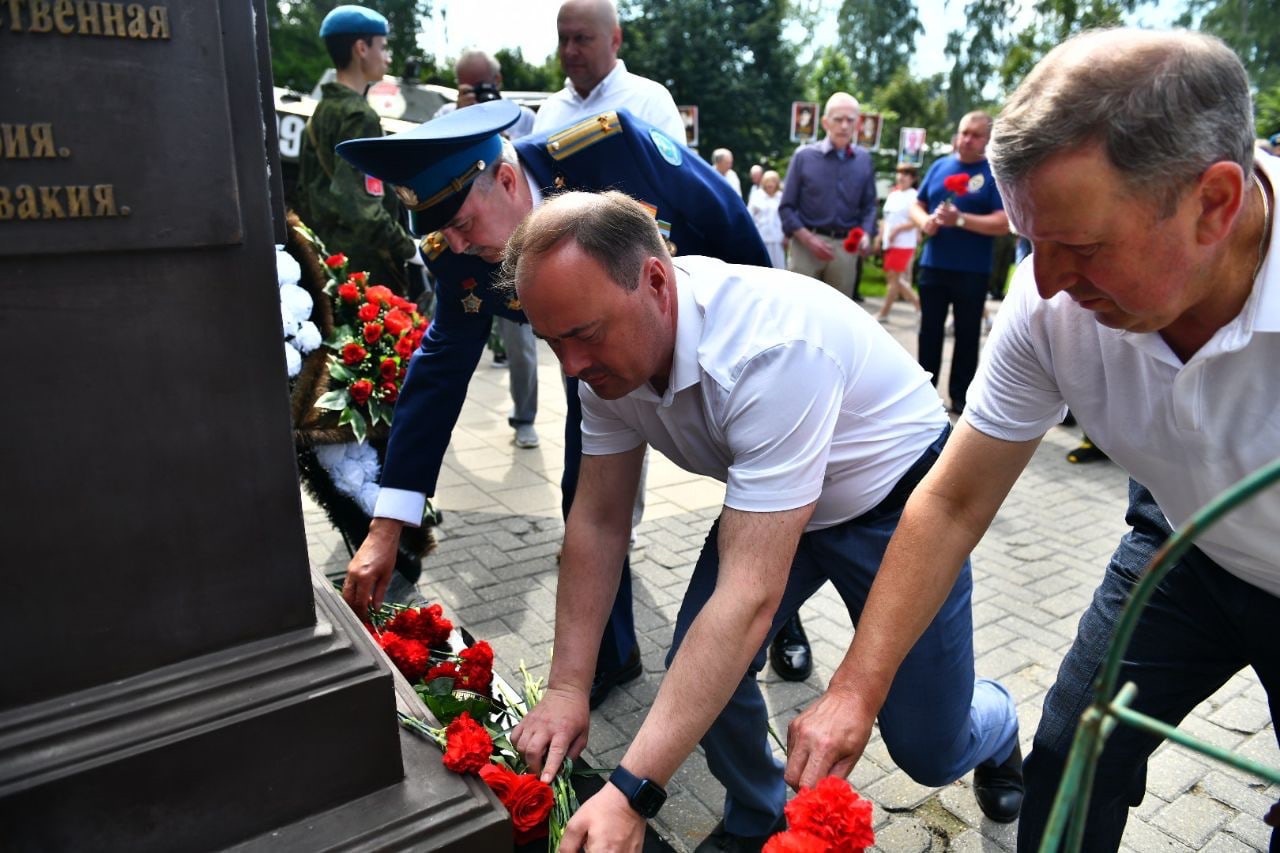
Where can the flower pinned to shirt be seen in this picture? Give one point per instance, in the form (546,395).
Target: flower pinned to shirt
(853,240)
(828,817)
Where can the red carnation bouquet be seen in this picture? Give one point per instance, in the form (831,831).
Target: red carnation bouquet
(478,714)
(375,333)
(828,818)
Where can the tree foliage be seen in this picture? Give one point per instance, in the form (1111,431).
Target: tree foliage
(729,59)
(878,37)
(518,74)
(1250,27)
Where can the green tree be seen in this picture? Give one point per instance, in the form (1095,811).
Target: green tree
(729,59)
(523,76)
(878,37)
(831,72)
(976,53)
(298,57)
(1056,21)
(907,101)
(1250,27)
(1268,111)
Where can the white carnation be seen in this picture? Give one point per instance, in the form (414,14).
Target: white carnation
(368,498)
(295,302)
(287,269)
(292,360)
(307,337)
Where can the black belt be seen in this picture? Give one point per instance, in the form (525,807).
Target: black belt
(897,497)
(833,233)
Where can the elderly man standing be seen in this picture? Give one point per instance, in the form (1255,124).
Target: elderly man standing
(818,423)
(722,159)
(597,80)
(831,188)
(955,266)
(470,188)
(1151,307)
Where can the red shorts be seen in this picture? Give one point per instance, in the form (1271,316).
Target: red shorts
(898,260)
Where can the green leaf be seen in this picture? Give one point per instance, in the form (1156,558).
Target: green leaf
(380,412)
(351,417)
(334,401)
(339,372)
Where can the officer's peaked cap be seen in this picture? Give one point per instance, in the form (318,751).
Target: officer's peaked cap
(433,166)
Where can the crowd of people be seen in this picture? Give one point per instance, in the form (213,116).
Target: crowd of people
(725,333)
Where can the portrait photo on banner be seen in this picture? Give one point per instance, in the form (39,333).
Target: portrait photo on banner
(804,121)
(869,127)
(689,115)
(911,145)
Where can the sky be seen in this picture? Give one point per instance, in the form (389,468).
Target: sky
(530,25)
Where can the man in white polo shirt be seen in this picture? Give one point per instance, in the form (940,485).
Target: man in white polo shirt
(1151,307)
(819,424)
(596,79)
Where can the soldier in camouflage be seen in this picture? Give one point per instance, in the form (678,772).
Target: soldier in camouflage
(349,209)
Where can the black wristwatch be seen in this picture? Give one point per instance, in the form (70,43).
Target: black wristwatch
(645,796)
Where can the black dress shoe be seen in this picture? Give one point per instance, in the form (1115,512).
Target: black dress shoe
(789,652)
(999,789)
(607,680)
(722,839)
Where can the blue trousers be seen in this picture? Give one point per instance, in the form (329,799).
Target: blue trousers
(938,722)
(1201,626)
(620,632)
(966,294)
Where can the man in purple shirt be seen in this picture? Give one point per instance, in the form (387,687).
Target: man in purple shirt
(831,187)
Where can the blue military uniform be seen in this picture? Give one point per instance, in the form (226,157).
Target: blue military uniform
(695,209)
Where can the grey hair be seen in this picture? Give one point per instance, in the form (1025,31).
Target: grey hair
(1163,106)
(473,53)
(719,155)
(484,180)
(611,228)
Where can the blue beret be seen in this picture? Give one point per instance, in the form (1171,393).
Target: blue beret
(353,20)
(433,166)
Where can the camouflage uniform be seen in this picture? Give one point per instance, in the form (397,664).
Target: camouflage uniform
(349,210)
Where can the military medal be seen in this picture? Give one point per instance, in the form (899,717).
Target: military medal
(470,303)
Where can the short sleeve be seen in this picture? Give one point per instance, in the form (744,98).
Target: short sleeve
(604,432)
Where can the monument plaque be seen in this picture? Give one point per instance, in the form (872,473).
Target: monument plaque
(84,167)
(173,677)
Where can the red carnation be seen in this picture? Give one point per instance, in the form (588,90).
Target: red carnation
(409,656)
(360,278)
(388,368)
(390,392)
(367,312)
(360,391)
(476,668)
(853,240)
(379,293)
(833,812)
(348,292)
(467,745)
(957,184)
(398,322)
(372,331)
(405,347)
(792,841)
(353,354)
(448,669)
(529,802)
(337,261)
(425,624)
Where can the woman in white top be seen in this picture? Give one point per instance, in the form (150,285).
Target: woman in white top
(899,234)
(764,210)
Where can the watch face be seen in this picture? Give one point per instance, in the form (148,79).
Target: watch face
(648,798)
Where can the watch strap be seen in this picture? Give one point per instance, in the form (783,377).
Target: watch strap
(644,795)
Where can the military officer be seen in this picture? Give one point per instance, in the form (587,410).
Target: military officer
(351,210)
(470,189)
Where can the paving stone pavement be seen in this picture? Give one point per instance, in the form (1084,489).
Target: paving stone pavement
(1034,573)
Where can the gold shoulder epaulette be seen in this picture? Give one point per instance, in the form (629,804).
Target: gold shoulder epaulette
(582,135)
(433,245)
